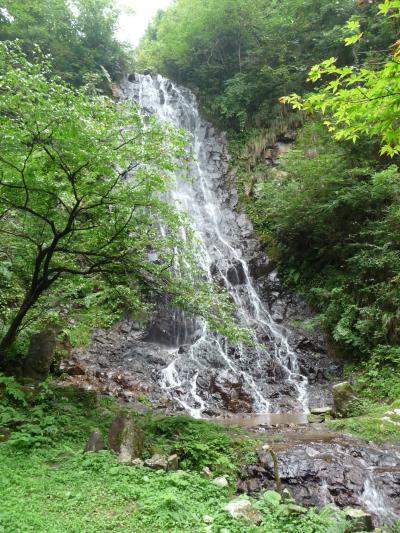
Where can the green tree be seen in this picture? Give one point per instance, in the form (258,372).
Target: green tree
(83,191)
(242,55)
(79,35)
(359,101)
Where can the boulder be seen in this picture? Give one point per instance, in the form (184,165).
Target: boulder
(157,462)
(220,482)
(343,396)
(243,509)
(315,419)
(137,462)
(359,520)
(173,462)
(125,438)
(95,442)
(40,355)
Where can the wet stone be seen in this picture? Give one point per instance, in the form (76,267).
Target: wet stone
(157,462)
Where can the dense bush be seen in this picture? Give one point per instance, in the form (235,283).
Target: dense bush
(332,218)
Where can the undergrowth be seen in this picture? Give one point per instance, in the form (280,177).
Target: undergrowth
(50,486)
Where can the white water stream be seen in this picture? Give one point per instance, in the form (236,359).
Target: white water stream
(221,244)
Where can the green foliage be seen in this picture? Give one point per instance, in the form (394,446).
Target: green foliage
(41,416)
(199,444)
(10,390)
(331,218)
(48,484)
(242,55)
(379,379)
(359,101)
(79,35)
(372,426)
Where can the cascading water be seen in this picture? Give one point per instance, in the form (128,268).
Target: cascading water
(178,364)
(223,259)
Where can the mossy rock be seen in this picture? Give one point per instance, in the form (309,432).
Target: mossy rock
(359,520)
(343,396)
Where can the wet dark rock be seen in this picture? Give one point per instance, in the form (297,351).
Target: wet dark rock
(170,326)
(260,266)
(236,274)
(335,470)
(95,442)
(40,355)
(233,395)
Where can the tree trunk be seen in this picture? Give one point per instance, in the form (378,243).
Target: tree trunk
(11,335)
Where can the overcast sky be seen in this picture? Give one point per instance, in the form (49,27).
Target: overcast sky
(132,27)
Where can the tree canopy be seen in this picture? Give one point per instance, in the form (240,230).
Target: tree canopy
(242,55)
(79,35)
(359,100)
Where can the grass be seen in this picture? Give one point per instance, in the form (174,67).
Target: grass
(49,485)
(369,421)
(378,391)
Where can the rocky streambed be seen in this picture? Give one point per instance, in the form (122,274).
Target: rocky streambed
(319,467)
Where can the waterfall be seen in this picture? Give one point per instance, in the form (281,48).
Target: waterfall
(220,232)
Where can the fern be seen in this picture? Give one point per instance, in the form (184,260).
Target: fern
(13,390)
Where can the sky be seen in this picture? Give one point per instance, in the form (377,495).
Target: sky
(132,27)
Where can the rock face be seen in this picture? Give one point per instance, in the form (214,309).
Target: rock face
(125,438)
(335,470)
(40,355)
(343,396)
